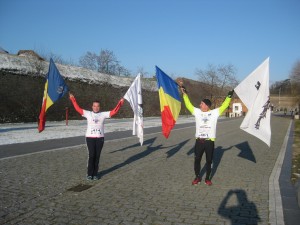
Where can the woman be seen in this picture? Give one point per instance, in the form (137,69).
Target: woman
(94,133)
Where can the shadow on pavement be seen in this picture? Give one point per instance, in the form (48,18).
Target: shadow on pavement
(246,151)
(146,142)
(143,154)
(173,151)
(131,159)
(242,212)
(218,154)
(191,151)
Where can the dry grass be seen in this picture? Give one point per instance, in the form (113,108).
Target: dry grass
(296,154)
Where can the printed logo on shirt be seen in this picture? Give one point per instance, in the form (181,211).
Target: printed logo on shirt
(205,120)
(95,131)
(95,120)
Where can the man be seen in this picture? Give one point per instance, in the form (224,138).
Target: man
(206,124)
(94,133)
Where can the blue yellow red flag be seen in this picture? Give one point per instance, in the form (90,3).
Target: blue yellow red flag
(170,101)
(55,88)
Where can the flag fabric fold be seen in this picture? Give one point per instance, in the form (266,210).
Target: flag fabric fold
(55,88)
(255,94)
(170,101)
(134,97)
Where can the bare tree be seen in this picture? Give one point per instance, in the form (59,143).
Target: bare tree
(142,72)
(107,62)
(119,70)
(220,78)
(209,77)
(227,77)
(56,58)
(126,72)
(89,61)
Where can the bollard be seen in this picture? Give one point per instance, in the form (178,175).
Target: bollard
(67,115)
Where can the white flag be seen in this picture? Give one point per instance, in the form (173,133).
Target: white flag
(134,97)
(255,94)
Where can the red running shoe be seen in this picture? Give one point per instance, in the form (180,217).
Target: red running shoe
(196,181)
(208,182)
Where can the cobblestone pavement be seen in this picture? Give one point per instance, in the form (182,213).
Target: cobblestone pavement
(149,184)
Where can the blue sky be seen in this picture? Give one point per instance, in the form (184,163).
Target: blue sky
(179,36)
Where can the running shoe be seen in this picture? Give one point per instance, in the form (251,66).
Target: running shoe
(89,178)
(208,182)
(96,178)
(196,181)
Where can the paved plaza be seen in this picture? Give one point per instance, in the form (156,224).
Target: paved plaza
(149,184)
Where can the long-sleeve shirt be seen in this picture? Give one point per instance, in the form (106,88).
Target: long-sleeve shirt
(95,120)
(206,122)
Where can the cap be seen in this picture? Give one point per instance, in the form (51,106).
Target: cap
(207,102)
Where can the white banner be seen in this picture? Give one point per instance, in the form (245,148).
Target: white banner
(134,97)
(255,94)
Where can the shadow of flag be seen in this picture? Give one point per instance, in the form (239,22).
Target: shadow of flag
(246,151)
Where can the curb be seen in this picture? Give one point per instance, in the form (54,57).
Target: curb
(275,200)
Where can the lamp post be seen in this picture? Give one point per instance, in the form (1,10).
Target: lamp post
(279,99)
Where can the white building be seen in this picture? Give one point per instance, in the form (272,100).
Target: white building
(237,110)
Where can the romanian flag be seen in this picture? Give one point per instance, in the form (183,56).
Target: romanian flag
(170,102)
(55,88)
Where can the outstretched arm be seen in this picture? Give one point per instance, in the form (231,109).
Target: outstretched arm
(187,101)
(116,109)
(76,106)
(226,103)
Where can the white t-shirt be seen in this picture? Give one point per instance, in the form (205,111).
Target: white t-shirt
(206,123)
(95,123)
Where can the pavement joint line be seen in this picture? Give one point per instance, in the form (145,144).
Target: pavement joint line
(81,145)
(275,201)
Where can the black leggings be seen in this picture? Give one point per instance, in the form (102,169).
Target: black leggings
(202,146)
(94,147)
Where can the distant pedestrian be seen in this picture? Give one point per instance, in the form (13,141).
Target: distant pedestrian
(206,125)
(94,133)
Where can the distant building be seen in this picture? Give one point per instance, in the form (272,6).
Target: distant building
(237,109)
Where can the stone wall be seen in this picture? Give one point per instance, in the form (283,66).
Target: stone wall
(22,80)
(32,66)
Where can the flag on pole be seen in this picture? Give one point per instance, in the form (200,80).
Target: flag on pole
(170,102)
(255,94)
(134,97)
(55,88)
